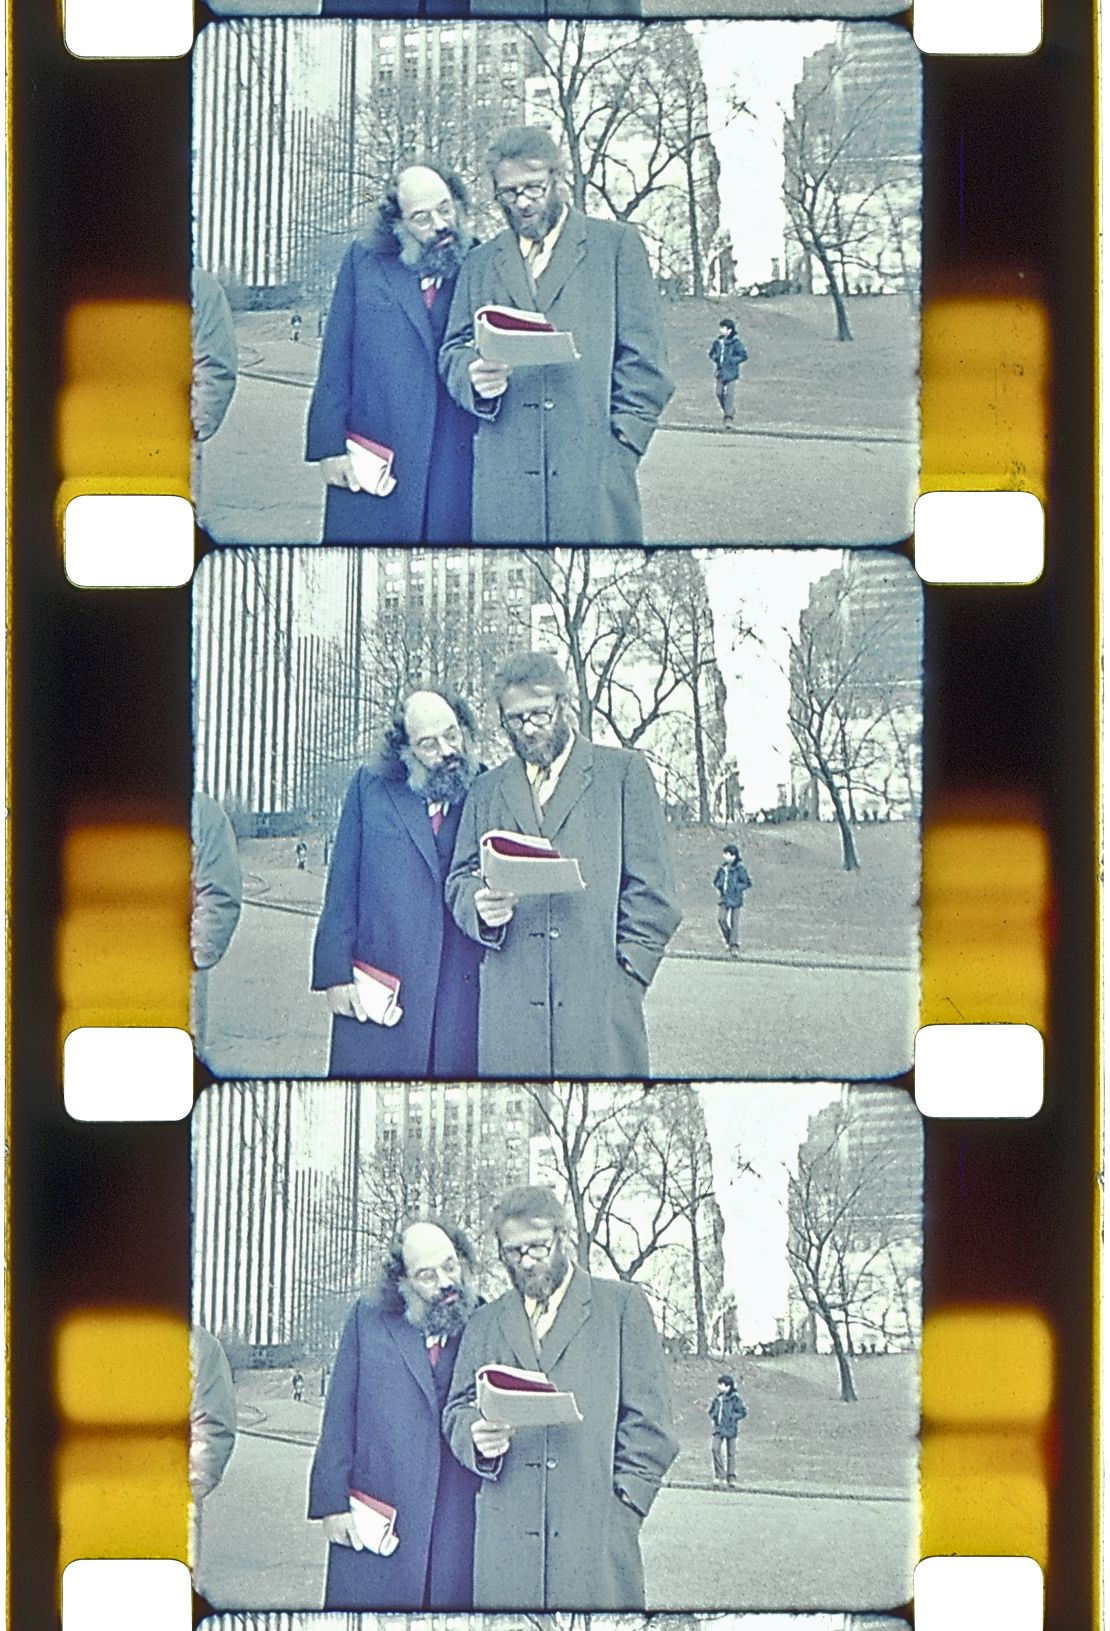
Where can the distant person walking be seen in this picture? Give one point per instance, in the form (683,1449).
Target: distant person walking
(726,1412)
(731,881)
(727,354)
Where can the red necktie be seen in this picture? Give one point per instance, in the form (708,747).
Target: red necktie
(434,1351)
(429,293)
(437,822)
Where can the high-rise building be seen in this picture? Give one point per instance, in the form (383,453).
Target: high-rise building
(860,1186)
(853,162)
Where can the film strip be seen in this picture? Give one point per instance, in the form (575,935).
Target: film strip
(100,761)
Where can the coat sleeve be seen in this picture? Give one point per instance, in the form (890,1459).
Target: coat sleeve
(458,350)
(329,1482)
(461,1409)
(641,386)
(645,1443)
(326,435)
(211,1412)
(464,880)
(334,948)
(217,882)
(647,914)
(215,356)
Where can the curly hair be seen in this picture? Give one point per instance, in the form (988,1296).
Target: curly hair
(529,1203)
(390,764)
(393,1270)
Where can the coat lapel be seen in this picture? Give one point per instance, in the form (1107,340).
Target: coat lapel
(414,1351)
(414,816)
(517,1331)
(569,250)
(511,273)
(575,779)
(405,286)
(516,792)
(574,1311)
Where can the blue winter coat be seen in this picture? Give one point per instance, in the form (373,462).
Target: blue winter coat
(381,1435)
(384,905)
(378,377)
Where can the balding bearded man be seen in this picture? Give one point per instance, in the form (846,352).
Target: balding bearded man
(384,907)
(377,391)
(380,1439)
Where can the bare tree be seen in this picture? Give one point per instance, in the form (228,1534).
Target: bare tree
(851,714)
(849,1224)
(839,193)
(638,1172)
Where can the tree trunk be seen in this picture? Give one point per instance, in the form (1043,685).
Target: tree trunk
(848,1393)
(843,330)
(696,270)
(701,1336)
(704,810)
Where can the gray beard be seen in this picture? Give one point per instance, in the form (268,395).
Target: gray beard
(542,1289)
(446,784)
(431,259)
(442,1320)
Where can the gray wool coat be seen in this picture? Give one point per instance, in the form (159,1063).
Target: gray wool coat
(548,468)
(551,1533)
(561,986)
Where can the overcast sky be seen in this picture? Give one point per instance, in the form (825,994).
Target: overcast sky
(768,588)
(763,1123)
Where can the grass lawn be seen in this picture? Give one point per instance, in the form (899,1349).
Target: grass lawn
(798,375)
(797,1430)
(802,902)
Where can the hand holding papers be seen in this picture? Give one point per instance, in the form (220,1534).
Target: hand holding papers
(518,338)
(519,864)
(523,1398)
(374,995)
(375,1523)
(372,464)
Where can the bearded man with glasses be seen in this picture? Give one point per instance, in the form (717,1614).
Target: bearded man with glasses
(558,446)
(377,381)
(563,977)
(560,1508)
(384,906)
(380,1434)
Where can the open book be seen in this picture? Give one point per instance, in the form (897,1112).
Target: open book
(375,995)
(525,865)
(517,338)
(372,464)
(523,1398)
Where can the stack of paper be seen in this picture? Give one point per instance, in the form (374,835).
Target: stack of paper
(523,1398)
(521,864)
(517,338)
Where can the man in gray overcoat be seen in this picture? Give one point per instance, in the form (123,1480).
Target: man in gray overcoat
(563,977)
(560,1508)
(558,446)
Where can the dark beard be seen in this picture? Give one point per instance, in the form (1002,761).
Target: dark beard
(541,1287)
(446,1320)
(439,258)
(448,783)
(544,754)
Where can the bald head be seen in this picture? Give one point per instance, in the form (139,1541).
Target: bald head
(429,221)
(432,1284)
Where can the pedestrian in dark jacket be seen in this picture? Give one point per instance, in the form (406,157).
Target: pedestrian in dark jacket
(731,882)
(727,354)
(726,1411)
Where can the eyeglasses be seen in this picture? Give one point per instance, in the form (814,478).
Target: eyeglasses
(430,1277)
(535,716)
(430,744)
(424,218)
(535,1252)
(532,190)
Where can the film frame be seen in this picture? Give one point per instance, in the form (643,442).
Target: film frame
(1010,734)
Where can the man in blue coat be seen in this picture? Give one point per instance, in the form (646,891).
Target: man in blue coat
(381,1436)
(384,904)
(377,379)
